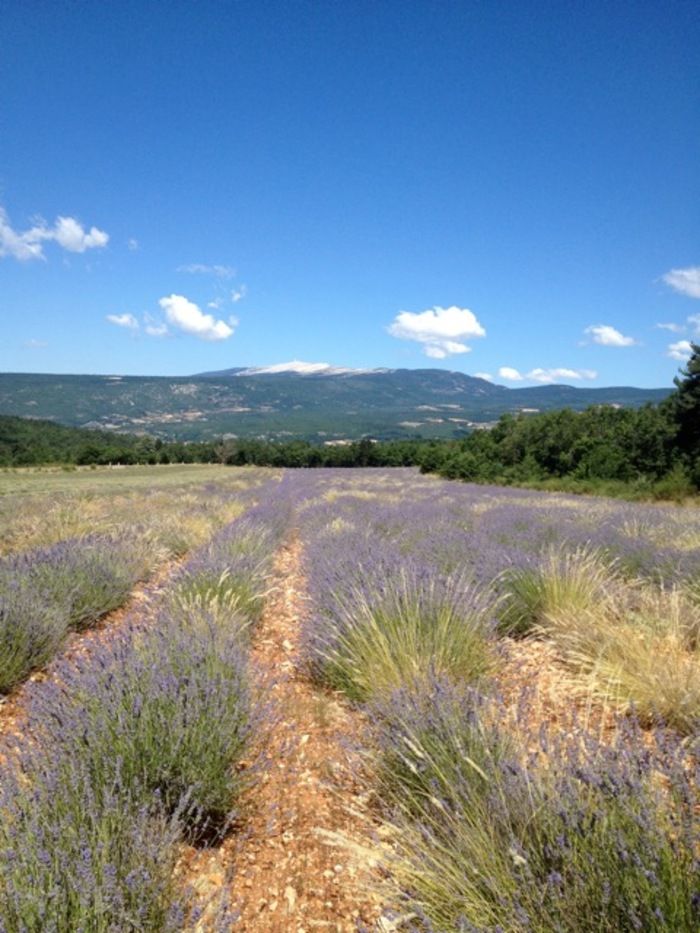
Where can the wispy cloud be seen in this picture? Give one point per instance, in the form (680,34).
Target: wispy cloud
(441,331)
(153,327)
(33,344)
(124,320)
(238,294)
(487,376)
(67,232)
(681,350)
(555,374)
(608,336)
(674,328)
(686,281)
(188,317)
(559,374)
(132,244)
(199,268)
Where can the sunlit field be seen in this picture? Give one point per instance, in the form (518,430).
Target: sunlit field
(486,810)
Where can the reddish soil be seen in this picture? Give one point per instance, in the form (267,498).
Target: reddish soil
(536,684)
(296,863)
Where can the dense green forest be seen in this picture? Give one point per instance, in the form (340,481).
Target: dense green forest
(651,450)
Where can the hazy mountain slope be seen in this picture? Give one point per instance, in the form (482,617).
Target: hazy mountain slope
(383,403)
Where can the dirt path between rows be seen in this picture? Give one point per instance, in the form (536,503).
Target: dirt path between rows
(287,875)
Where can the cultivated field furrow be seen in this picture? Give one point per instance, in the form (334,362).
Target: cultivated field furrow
(363,700)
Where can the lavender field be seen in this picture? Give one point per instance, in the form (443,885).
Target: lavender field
(419,605)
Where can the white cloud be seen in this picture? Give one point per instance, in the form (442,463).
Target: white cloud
(69,234)
(694,321)
(238,294)
(608,336)
(153,327)
(66,231)
(124,320)
(674,328)
(22,246)
(34,344)
(512,375)
(440,330)
(487,376)
(132,244)
(686,281)
(199,268)
(188,317)
(680,351)
(558,374)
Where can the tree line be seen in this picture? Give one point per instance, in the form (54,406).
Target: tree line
(653,446)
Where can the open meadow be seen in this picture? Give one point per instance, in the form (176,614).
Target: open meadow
(265,700)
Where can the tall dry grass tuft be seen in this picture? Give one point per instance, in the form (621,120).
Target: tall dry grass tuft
(564,581)
(640,648)
(415,626)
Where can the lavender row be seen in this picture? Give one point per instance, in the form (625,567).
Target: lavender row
(490,528)
(495,827)
(133,750)
(46,593)
(235,566)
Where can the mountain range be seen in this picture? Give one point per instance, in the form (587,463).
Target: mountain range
(313,401)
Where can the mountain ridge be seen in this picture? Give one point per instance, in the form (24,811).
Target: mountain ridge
(322,404)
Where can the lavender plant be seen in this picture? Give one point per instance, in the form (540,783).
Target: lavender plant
(125,754)
(45,593)
(86,577)
(74,856)
(31,632)
(573,836)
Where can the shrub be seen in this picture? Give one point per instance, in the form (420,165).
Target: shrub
(126,753)
(85,577)
(75,856)
(166,710)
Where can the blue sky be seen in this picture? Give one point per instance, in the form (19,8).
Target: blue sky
(509,188)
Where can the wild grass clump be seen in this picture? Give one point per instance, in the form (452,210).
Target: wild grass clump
(505,830)
(639,649)
(243,587)
(373,640)
(563,580)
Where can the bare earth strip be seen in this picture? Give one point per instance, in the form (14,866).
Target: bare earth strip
(286,876)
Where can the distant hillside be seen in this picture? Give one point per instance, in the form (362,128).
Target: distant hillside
(325,405)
